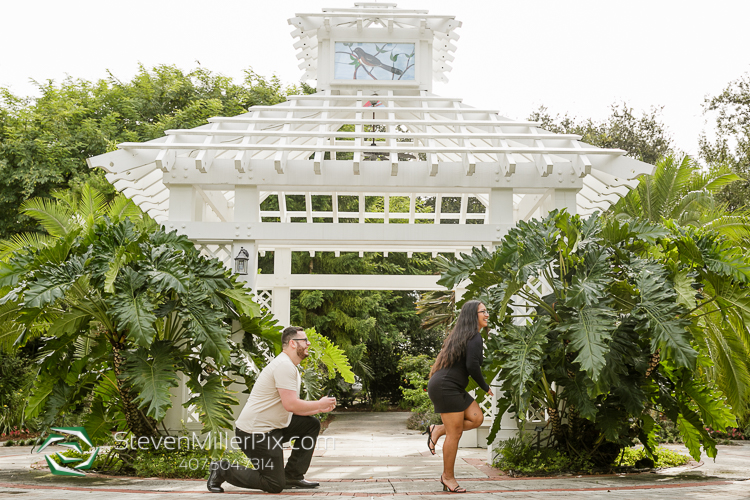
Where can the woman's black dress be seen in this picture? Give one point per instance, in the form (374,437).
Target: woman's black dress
(447,386)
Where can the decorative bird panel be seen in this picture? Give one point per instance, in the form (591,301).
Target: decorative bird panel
(374,61)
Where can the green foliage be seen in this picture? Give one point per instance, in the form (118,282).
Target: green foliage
(120,311)
(682,190)
(643,137)
(662,457)
(45,141)
(610,335)
(325,361)
(374,328)
(416,370)
(730,111)
(16,378)
(520,457)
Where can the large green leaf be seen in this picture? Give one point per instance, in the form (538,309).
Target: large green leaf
(589,332)
(52,282)
(206,326)
(166,271)
(521,351)
(659,314)
(213,402)
(712,406)
(70,322)
(590,279)
(132,307)
(152,372)
(243,301)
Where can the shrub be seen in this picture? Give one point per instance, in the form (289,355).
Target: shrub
(662,457)
(519,456)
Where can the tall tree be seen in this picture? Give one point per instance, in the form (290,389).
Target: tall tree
(644,137)
(731,146)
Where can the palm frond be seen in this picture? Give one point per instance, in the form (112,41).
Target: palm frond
(55,218)
(23,241)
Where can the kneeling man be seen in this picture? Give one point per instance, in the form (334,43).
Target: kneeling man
(274,414)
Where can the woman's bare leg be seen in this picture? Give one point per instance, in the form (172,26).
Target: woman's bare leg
(473,418)
(453,427)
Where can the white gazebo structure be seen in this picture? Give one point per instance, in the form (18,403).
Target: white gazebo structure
(373,129)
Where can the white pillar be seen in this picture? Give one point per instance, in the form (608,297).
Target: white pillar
(566,198)
(500,212)
(181,203)
(282,295)
(246,204)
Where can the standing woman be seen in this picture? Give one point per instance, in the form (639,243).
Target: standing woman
(460,357)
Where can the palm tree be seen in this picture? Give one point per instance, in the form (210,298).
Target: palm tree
(681,190)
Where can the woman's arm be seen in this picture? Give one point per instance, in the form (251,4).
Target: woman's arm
(474,358)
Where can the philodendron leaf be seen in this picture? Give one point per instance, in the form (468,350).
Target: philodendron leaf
(659,314)
(243,301)
(589,332)
(132,307)
(152,372)
(213,402)
(521,354)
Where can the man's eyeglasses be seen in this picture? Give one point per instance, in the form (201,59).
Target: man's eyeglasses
(300,340)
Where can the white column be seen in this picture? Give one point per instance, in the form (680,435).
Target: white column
(500,212)
(181,203)
(246,204)
(282,296)
(566,198)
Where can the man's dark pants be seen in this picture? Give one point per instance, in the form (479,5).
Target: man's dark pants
(266,454)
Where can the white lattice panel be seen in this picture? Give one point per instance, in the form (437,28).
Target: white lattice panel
(221,251)
(265,299)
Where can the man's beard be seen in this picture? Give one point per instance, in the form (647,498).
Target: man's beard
(301,354)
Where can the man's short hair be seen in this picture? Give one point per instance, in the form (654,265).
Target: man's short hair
(289,333)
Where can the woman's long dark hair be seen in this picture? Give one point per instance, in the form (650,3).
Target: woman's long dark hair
(454,346)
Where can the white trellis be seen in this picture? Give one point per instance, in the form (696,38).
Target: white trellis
(392,139)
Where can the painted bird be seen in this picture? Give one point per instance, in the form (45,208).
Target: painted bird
(370,60)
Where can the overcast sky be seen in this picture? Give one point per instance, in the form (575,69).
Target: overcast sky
(571,56)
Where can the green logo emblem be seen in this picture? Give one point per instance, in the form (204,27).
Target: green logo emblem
(64,439)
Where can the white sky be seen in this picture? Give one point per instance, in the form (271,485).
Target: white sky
(573,56)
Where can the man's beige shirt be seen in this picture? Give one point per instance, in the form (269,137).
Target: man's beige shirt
(263,411)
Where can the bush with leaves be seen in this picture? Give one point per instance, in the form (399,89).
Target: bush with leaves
(618,332)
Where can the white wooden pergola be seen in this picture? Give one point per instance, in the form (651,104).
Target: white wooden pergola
(209,182)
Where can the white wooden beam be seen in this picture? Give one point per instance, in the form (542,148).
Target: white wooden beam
(166,157)
(242,158)
(205,157)
(392,157)
(468,159)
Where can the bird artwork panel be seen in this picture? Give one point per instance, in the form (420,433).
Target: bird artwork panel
(374,61)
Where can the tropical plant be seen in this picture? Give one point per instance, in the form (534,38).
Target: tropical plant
(121,308)
(325,361)
(681,190)
(600,323)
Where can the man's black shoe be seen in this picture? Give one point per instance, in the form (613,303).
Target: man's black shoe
(301,483)
(215,476)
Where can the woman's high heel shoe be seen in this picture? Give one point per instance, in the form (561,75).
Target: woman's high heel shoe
(457,489)
(430,443)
